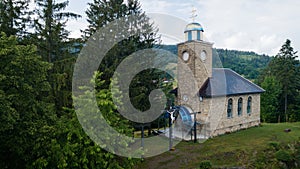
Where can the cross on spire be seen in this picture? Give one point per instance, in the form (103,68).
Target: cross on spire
(194,15)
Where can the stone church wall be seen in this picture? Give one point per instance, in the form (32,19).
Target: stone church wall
(214,115)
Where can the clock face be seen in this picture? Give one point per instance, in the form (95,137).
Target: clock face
(185,56)
(203,55)
(185,98)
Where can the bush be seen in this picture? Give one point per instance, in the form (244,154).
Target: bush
(283,156)
(297,153)
(206,164)
(274,145)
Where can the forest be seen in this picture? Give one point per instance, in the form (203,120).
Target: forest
(39,126)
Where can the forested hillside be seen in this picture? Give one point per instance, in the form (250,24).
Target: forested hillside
(248,64)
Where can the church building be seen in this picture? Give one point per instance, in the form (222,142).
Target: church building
(227,101)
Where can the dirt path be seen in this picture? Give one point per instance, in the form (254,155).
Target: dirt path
(179,158)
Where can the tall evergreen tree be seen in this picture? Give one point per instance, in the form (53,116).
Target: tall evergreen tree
(285,68)
(51,38)
(101,13)
(14,15)
(50,24)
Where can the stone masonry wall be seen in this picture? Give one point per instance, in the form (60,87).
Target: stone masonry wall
(214,115)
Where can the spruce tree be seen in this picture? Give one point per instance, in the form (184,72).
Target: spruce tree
(14,15)
(102,12)
(51,38)
(51,35)
(285,68)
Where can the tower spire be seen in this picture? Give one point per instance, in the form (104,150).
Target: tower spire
(194,14)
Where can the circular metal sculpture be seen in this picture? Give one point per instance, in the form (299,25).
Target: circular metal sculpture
(185,114)
(186,117)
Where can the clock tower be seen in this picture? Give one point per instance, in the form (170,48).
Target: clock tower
(196,54)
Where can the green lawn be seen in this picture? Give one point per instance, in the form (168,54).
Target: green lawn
(236,149)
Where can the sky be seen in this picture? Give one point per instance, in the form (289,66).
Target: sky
(261,26)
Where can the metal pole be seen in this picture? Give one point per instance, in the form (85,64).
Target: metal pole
(182,131)
(158,123)
(170,133)
(195,129)
(164,124)
(142,136)
(204,130)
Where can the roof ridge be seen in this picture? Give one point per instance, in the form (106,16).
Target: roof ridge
(221,68)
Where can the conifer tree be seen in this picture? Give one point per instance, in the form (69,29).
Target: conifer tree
(14,15)
(50,24)
(101,13)
(285,68)
(51,38)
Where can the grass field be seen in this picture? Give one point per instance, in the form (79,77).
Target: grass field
(231,150)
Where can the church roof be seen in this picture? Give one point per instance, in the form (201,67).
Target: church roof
(226,82)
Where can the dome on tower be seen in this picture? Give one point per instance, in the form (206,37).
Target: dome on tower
(194,27)
(194,31)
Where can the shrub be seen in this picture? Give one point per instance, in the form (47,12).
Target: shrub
(206,164)
(283,156)
(274,144)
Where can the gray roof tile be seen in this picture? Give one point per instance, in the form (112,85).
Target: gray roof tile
(226,82)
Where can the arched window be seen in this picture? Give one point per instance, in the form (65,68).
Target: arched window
(240,107)
(249,105)
(229,109)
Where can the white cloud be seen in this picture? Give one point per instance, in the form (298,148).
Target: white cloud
(261,26)
(74,26)
(258,25)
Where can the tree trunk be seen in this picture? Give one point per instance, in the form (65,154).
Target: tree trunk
(11,15)
(285,107)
